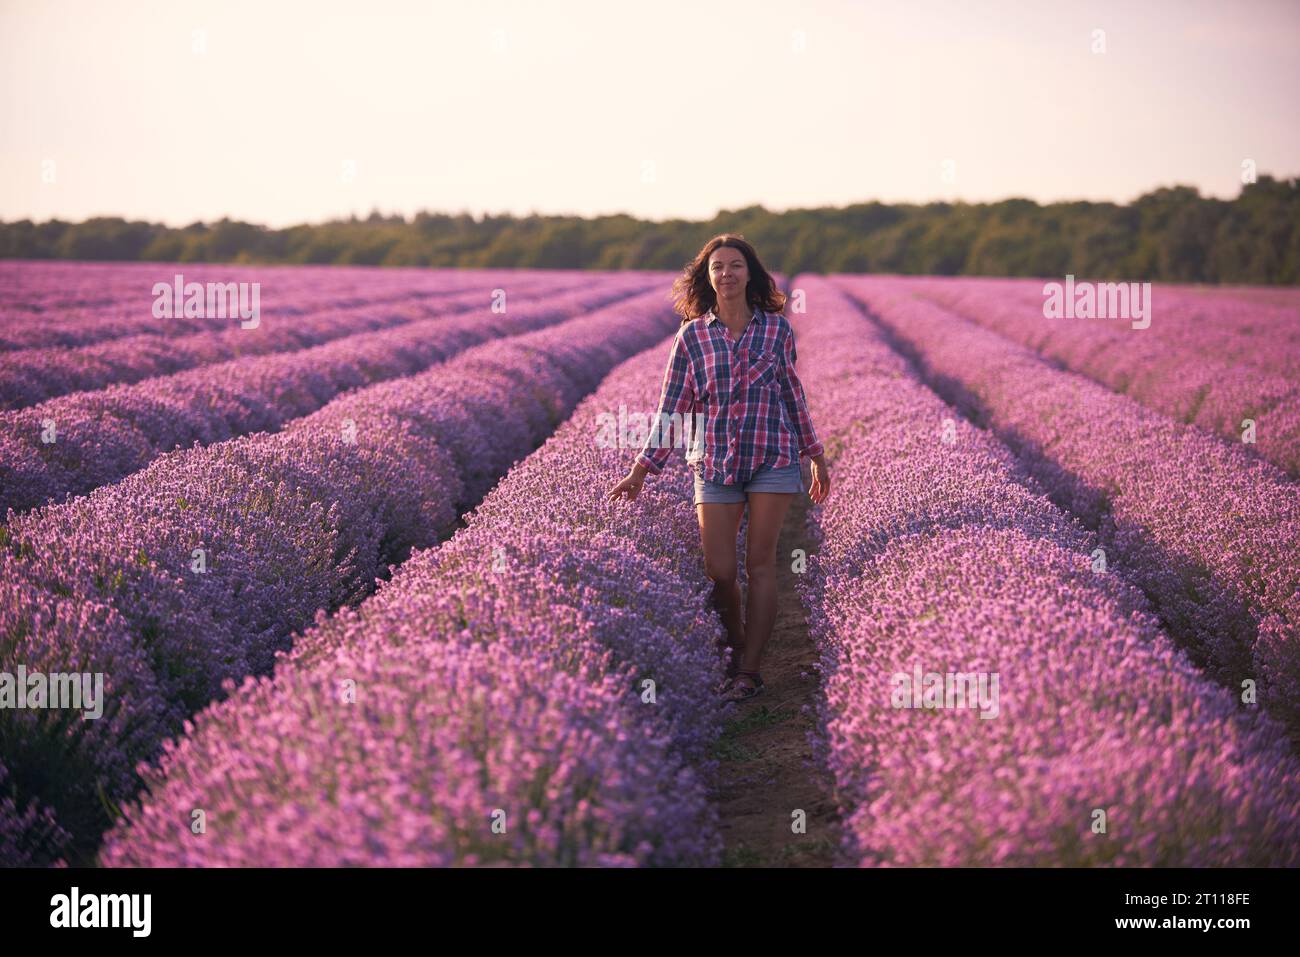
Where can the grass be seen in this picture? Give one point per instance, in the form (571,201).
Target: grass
(729,747)
(742,856)
(752,720)
(802,844)
(799,846)
(726,750)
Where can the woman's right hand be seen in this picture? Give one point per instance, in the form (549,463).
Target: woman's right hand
(631,485)
(821,481)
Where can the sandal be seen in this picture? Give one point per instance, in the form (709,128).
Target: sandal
(746,685)
(727,678)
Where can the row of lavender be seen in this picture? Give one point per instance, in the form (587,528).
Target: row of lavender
(534,691)
(29,376)
(44,304)
(1091,740)
(191,574)
(1203,372)
(1239,325)
(1209,532)
(100,437)
(1247,326)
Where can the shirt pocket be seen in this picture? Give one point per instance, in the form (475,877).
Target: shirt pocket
(762,369)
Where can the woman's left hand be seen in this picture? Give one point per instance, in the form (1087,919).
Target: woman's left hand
(821,481)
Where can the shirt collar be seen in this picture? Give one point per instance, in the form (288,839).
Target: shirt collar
(711,317)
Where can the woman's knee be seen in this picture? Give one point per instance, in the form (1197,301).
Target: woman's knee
(723,574)
(760,566)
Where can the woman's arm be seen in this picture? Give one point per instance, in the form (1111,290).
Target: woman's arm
(797,407)
(795,403)
(677,396)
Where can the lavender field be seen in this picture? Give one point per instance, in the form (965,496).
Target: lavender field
(346,575)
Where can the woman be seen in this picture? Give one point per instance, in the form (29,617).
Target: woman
(733,360)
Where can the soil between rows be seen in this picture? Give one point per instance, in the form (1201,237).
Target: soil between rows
(766,767)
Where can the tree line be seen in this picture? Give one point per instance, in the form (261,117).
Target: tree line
(1171,234)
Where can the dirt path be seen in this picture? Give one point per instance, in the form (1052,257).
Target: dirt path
(766,770)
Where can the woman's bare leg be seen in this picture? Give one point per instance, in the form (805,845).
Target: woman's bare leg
(719,525)
(766,516)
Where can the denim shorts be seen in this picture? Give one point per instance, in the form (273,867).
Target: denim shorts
(765,479)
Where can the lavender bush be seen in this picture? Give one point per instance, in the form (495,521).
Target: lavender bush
(296,523)
(937,551)
(103,436)
(1209,532)
(71,304)
(33,375)
(505,669)
(1194,363)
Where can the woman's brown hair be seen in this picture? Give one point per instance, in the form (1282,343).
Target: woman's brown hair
(693,295)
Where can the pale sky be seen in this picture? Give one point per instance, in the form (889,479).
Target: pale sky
(287,112)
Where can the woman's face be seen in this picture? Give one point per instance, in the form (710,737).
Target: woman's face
(728,274)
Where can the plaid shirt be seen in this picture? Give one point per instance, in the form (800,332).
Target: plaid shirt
(752,401)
